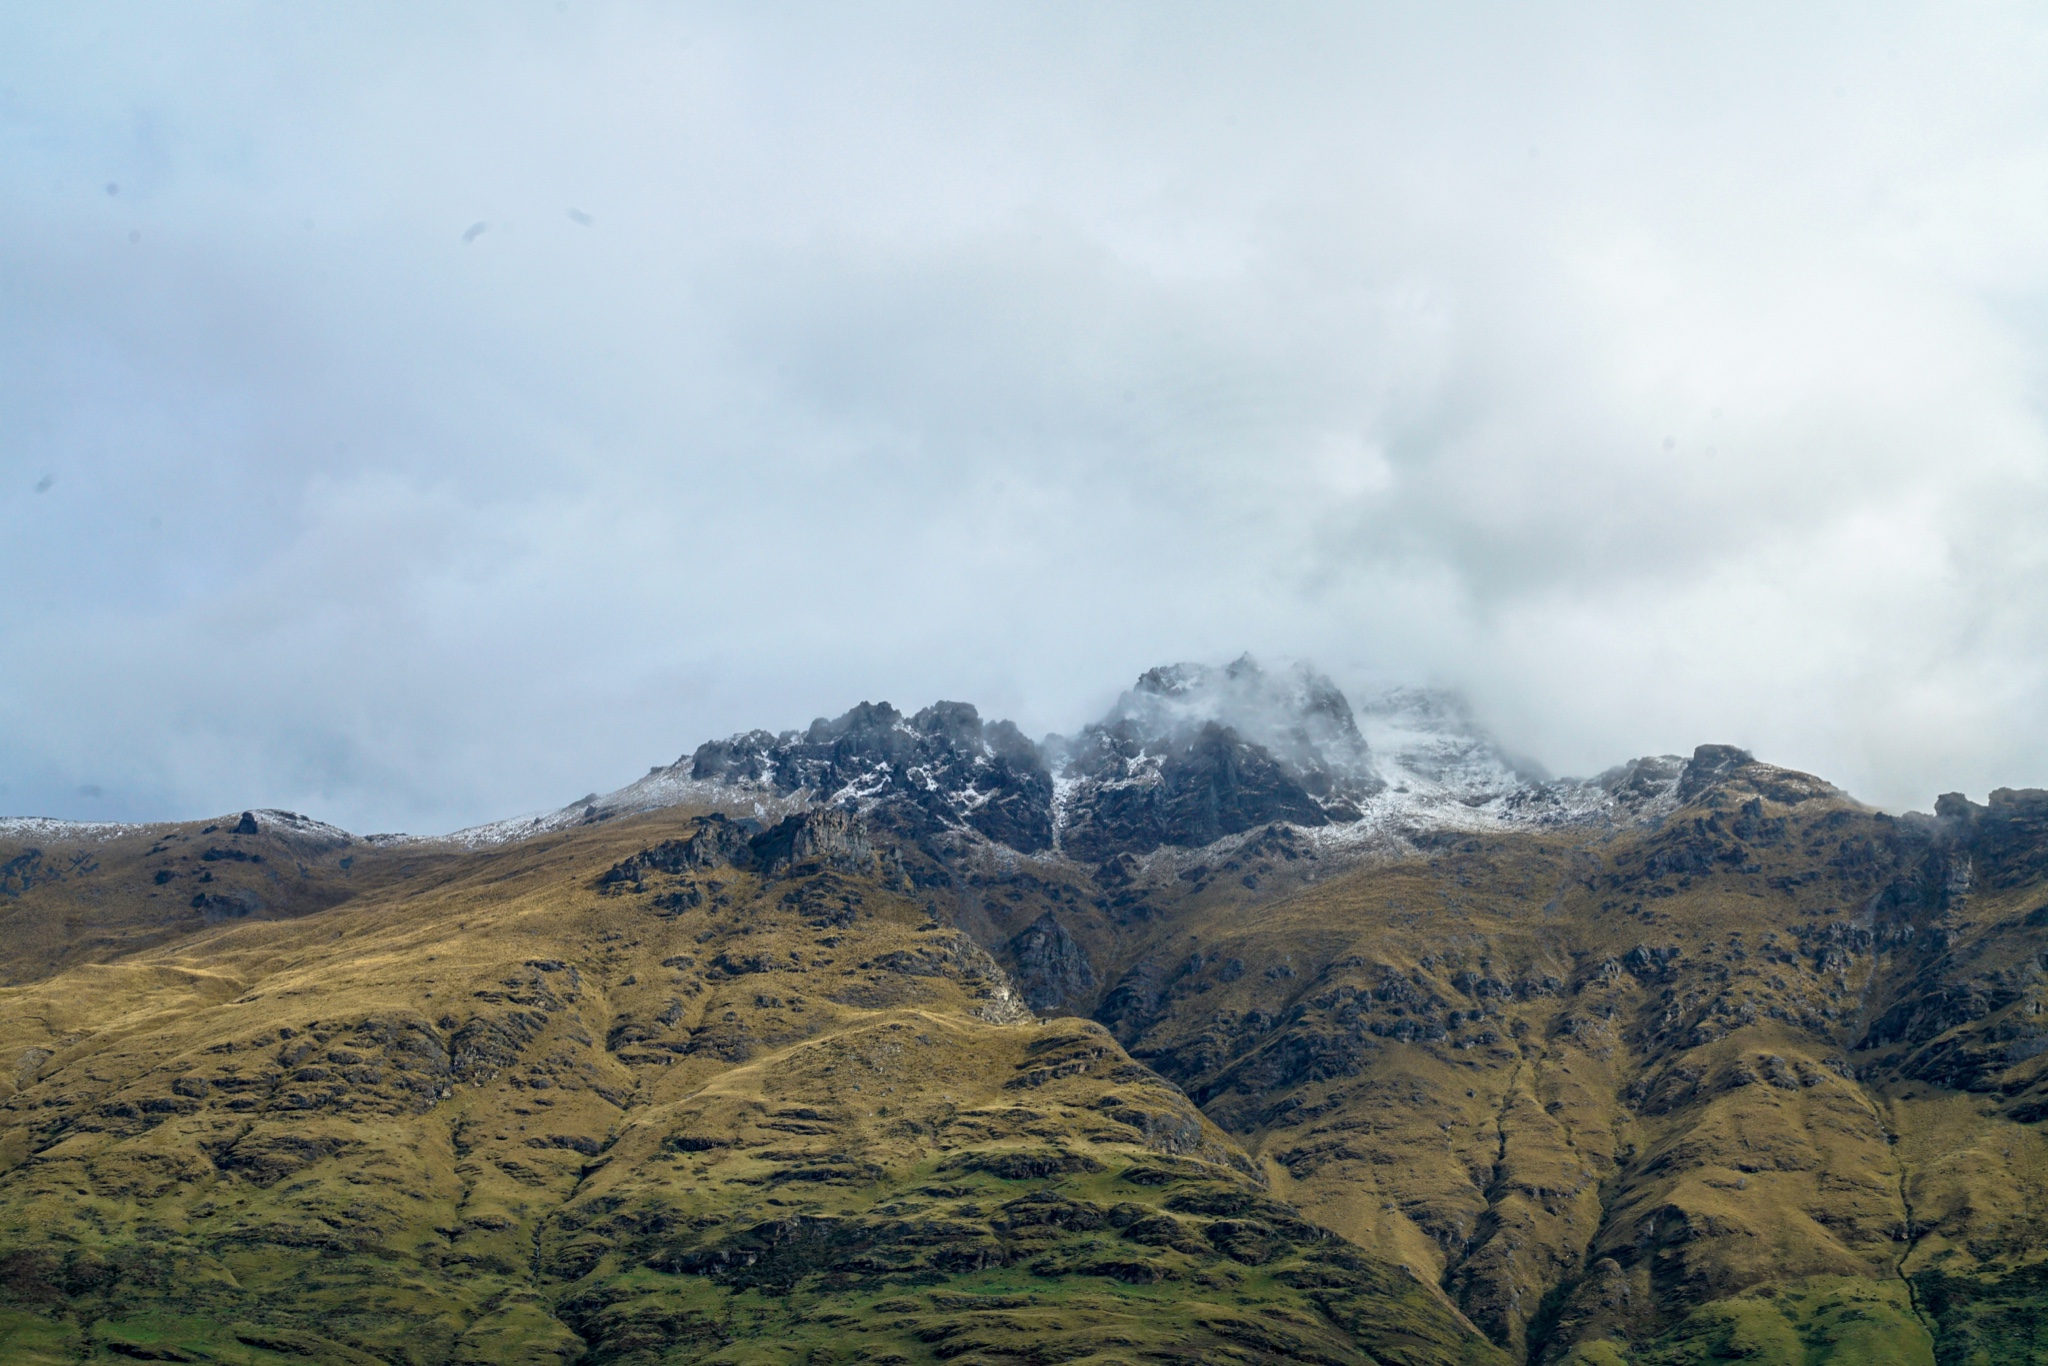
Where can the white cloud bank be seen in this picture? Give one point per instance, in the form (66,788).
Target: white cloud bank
(1654,377)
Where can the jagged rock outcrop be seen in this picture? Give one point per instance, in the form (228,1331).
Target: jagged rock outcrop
(1137,794)
(2006,839)
(1189,755)
(1710,764)
(831,836)
(1051,968)
(944,768)
(1193,754)
(1298,719)
(825,837)
(715,839)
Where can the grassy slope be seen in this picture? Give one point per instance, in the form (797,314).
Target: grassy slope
(1763,1084)
(1609,1090)
(490,1114)
(63,904)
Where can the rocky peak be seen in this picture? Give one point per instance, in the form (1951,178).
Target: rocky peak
(1189,755)
(1299,717)
(1194,753)
(1716,773)
(942,768)
(1643,788)
(1425,741)
(1131,795)
(2005,840)
(1711,764)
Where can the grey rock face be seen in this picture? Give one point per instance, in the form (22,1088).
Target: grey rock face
(1189,755)
(1051,966)
(1298,717)
(2006,840)
(1709,765)
(942,768)
(829,835)
(713,840)
(1134,795)
(1642,780)
(1192,754)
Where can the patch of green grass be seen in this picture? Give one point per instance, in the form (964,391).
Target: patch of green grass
(1824,1321)
(1988,1321)
(30,1340)
(1603,1352)
(182,1337)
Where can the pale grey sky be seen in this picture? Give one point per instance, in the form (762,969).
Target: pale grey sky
(417,417)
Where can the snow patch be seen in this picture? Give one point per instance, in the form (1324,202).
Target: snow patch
(46,828)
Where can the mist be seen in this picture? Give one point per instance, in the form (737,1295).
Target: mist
(417,418)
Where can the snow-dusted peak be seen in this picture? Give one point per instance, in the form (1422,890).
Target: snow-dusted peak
(1297,715)
(1189,755)
(1424,740)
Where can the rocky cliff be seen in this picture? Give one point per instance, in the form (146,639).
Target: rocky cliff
(1189,755)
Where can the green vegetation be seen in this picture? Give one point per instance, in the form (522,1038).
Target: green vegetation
(1759,1084)
(1822,1322)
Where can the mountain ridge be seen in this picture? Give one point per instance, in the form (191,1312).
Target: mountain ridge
(1310,763)
(1699,1060)
(1429,761)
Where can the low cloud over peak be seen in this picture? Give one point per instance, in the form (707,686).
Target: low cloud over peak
(1650,379)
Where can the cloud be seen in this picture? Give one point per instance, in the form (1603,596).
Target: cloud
(1652,378)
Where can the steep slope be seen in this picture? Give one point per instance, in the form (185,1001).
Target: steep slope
(673,1089)
(1609,1091)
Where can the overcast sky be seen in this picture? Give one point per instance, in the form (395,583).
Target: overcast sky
(420,415)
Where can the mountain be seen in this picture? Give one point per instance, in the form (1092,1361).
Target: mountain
(1242,1025)
(1189,755)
